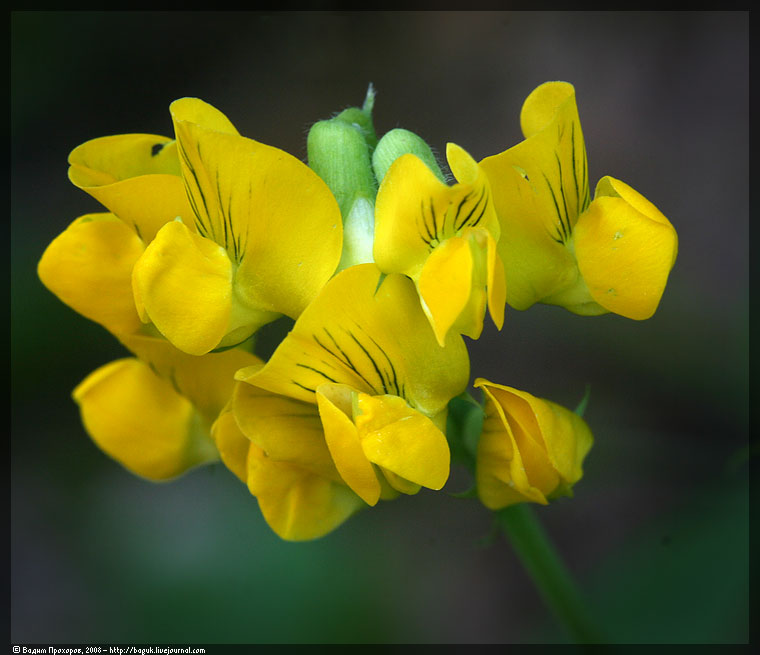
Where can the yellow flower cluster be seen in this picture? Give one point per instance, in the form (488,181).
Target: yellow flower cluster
(208,236)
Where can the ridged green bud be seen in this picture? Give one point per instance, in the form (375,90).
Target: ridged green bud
(339,151)
(399,142)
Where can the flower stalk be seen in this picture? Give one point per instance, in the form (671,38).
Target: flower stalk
(552,579)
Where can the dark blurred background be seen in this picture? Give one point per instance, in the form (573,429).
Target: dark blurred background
(657,533)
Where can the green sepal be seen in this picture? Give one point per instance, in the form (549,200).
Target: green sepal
(361,119)
(580,410)
(563,489)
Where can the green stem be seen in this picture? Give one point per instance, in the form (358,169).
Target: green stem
(553,580)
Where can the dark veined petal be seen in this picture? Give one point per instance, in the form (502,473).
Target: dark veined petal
(370,333)
(415,211)
(540,187)
(277,220)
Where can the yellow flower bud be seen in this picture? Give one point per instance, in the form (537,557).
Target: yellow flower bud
(530,449)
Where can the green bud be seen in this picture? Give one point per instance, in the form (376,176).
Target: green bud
(399,142)
(338,153)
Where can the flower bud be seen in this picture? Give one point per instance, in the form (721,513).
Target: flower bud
(530,450)
(339,151)
(399,142)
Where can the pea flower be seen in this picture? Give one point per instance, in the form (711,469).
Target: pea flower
(276,223)
(353,400)
(265,234)
(154,414)
(530,449)
(444,238)
(613,254)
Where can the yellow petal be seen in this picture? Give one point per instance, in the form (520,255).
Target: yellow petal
(459,278)
(135,176)
(563,434)
(89,267)
(232,444)
(185,285)
(497,290)
(540,187)
(409,216)
(206,381)
(445,287)
(369,335)
(193,111)
(500,474)
(398,484)
(343,441)
(568,439)
(140,420)
(287,430)
(625,249)
(298,504)
(528,437)
(402,440)
(277,220)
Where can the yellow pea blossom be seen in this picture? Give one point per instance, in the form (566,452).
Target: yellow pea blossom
(263,237)
(224,234)
(612,254)
(353,400)
(530,449)
(444,238)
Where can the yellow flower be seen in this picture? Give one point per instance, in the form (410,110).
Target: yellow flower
(264,236)
(530,449)
(351,403)
(220,234)
(610,255)
(154,414)
(444,238)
